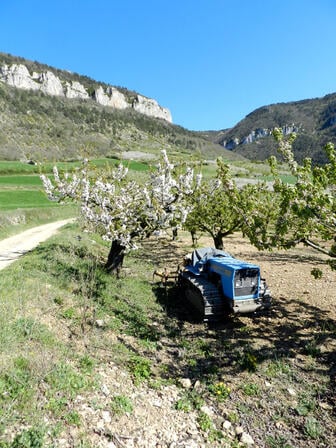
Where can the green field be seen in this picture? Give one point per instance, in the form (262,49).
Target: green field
(21,186)
(17,167)
(15,199)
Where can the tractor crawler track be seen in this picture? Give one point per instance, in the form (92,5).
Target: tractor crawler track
(204,296)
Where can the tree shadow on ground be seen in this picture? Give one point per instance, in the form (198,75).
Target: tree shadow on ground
(291,330)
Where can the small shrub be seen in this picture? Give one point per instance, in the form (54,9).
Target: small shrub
(316,273)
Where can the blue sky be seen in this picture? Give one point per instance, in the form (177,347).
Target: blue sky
(211,62)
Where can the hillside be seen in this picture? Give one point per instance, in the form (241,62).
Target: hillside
(40,125)
(314,120)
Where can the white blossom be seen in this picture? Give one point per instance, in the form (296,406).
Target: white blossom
(121,209)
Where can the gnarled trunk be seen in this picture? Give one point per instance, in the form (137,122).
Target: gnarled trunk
(218,240)
(115,257)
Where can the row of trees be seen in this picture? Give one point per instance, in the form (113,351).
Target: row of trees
(124,211)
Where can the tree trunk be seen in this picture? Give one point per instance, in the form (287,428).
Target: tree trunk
(115,257)
(194,238)
(218,241)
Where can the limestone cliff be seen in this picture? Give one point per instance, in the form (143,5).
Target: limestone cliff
(255,135)
(17,75)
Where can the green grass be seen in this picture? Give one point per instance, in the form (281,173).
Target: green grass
(15,220)
(21,186)
(21,180)
(20,168)
(10,200)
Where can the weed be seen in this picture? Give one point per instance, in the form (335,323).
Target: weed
(248,362)
(72,418)
(66,381)
(30,438)
(214,435)
(121,404)
(204,422)
(203,348)
(312,349)
(183,404)
(220,390)
(244,330)
(26,328)
(57,405)
(148,344)
(244,409)
(312,428)
(69,313)
(306,405)
(233,417)
(192,362)
(58,300)
(86,364)
(277,442)
(277,368)
(189,401)
(16,384)
(251,389)
(140,368)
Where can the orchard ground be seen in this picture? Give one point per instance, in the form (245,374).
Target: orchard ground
(129,366)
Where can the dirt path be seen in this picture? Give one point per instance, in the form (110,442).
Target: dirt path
(13,247)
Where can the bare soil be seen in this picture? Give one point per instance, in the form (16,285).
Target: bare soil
(292,353)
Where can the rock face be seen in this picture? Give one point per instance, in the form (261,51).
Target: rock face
(76,90)
(151,107)
(256,135)
(111,97)
(17,75)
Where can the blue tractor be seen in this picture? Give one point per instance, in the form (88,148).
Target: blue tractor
(216,284)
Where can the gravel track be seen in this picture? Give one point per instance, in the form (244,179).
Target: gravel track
(15,246)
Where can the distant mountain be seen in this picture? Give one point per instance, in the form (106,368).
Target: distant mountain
(314,121)
(47,113)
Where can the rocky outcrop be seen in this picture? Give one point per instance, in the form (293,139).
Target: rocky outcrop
(256,135)
(17,75)
(151,107)
(111,97)
(76,90)
(50,84)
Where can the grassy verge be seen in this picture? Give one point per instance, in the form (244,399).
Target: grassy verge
(66,325)
(19,219)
